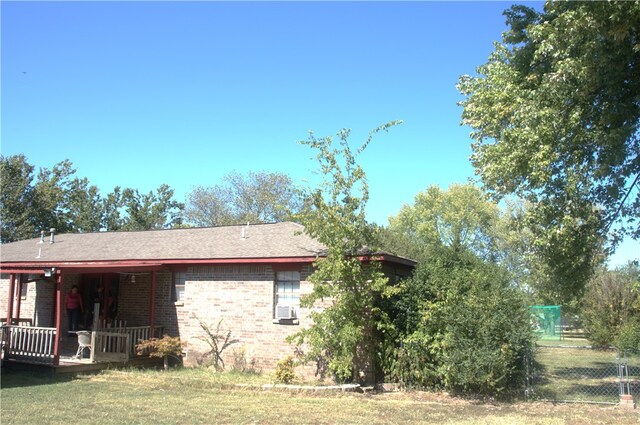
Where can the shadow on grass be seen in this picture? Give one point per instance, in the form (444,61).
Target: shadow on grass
(605,392)
(608,390)
(10,378)
(600,370)
(596,382)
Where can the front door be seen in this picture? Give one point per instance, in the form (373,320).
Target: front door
(100,290)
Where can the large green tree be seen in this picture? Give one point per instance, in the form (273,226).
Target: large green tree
(16,198)
(152,210)
(345,334)
(555,114)
(258,197)
(57,198)
(460,218)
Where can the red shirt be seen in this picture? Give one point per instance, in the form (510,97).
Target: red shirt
(73,301)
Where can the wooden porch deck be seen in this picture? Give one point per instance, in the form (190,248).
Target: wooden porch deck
(72,366)
(32,348)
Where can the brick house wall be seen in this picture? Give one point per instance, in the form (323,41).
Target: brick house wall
(242,296)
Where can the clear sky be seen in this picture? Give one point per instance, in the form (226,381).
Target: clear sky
(137,94)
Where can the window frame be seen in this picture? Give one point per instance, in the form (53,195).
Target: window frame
(24,290)
(281,277)
(178,276)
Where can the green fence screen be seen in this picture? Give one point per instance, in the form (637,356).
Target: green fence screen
(546,321)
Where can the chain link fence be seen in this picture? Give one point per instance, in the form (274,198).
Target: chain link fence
(582,374)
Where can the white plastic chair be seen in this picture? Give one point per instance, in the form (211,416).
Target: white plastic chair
(84,341)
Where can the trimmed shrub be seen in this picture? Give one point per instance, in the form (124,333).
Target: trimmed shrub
(165,347)
(284,371)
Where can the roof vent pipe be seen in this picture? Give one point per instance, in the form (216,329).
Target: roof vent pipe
(53,231)
(41,236)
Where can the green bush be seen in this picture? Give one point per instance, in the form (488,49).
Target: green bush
(628,337)
(284,370)
(611,303)
(165,347)
(473,329)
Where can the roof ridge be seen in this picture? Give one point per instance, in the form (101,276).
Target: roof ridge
(222,226)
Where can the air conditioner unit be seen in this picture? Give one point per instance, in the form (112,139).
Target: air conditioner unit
(285,312)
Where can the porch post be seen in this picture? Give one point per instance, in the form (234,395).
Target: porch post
(106,296)
(12,292)
(152,305)
(19,295)
(56,346)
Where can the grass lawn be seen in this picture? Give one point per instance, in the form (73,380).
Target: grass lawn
(576,374)
(579,374)
(191,396)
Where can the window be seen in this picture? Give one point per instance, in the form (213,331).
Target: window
(23,290)
(179,280)
(287,293)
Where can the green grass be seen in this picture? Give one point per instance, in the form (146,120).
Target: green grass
(193,396)
(576,374)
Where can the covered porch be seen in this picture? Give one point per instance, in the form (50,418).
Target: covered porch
(38,333)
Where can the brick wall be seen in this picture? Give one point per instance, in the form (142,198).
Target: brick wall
(242,296)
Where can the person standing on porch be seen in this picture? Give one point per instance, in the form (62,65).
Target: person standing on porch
(74,308)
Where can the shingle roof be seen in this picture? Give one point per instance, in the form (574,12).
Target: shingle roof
(276,240)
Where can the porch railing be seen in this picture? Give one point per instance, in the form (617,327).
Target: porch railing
(36,344)
(28,343)
(109,346)
(120,343)
(141,333)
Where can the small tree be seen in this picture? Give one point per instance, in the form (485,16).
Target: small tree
(165,347)
(344,334)
(217,341)
(611,305)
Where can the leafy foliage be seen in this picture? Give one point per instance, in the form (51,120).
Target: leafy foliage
(345,334)
(628,337)
(218,341)
(165,347)
(555,114)
(16,198)
(285,373)
(149,211)
(464,218)
(612,305)
(460,218)
(460,326)
(60,199)
(255,198)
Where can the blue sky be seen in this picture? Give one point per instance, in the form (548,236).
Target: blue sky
(137,94)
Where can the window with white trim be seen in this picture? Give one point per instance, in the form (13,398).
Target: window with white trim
(287,294)
(179,281)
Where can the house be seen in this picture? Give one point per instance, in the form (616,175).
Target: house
(247,278)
